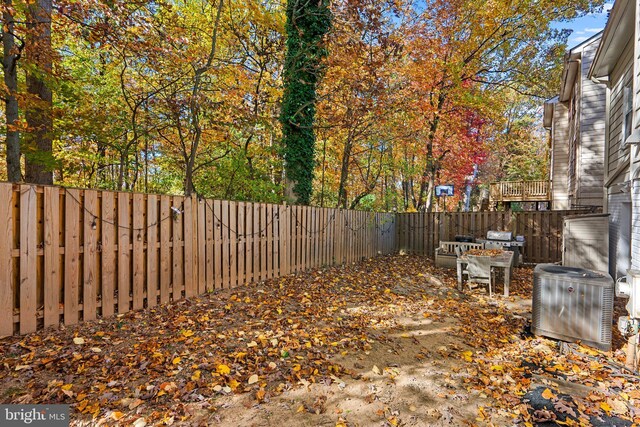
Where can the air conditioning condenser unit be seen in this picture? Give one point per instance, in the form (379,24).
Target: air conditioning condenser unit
(573,304)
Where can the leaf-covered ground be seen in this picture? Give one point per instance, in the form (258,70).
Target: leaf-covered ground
(388,341)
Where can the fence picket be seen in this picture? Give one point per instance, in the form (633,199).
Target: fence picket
(242,250)
(138,285)
(89,256)
(51,256)
(166,215)
(190,267)
(7,290)
(108,258)
(124,253)
(28,260)
(153,272)
(71,256)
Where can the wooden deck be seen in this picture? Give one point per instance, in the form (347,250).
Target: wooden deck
(520,191)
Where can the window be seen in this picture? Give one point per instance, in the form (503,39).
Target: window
(627,111)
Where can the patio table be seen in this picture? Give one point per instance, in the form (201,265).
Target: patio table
(504,261)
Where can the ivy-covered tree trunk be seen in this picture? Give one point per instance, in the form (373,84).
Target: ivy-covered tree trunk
(307,23)
(10,64)
(39,160)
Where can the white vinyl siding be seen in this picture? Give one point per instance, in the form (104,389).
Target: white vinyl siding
(590,166)
(560,153)
(621,76)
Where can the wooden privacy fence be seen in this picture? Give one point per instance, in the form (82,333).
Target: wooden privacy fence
(68,255)
(421,232)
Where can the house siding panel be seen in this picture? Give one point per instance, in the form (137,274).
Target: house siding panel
(620,77)
(590,171)
(560,147)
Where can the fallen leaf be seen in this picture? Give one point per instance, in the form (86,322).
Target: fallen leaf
(605,407)
(252,379)
(223,369)
(548,394)
(78,340)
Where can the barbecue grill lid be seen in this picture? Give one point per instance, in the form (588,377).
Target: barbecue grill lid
(499,235)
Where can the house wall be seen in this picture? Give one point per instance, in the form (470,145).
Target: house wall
(590,165)
(619,197)
(560,154)
(617,157)
(635,149)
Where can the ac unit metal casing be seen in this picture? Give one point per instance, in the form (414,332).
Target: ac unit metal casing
(571,303)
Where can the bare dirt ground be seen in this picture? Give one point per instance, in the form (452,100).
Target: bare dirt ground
(386,342)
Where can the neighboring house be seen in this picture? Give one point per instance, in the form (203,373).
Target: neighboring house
(615,68)
(576,120)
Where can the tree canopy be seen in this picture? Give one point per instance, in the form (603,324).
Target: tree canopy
(392,97)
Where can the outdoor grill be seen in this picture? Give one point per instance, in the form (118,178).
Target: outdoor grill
(504,240)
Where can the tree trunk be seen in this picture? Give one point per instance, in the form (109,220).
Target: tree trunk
(306,25)
(344,174)
(9,63)
(39,164)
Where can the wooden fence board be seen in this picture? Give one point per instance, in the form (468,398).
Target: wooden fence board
(124,252)
(226,279)
(90,256)
(108,259)
(233,244)
(284,238)
(190,281)
(138,251)
(166,221)
(217,237)
(6,260)
(200,239)
(276,241)
(71,256)
(178,249)
(51,255)
(242,250)
(209,255)
(153,270)
(264,273)
(248,244)
(269,239)
(257,235)
(28,259)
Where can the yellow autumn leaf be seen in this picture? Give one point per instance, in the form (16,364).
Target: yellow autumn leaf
(187,333)
(223,369)
(195,376)
(548,394)
(466,355)
(605,407)
(233,384)
(176,360)
(116,415)
(67,386)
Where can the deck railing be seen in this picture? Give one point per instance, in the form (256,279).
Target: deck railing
(520,191)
